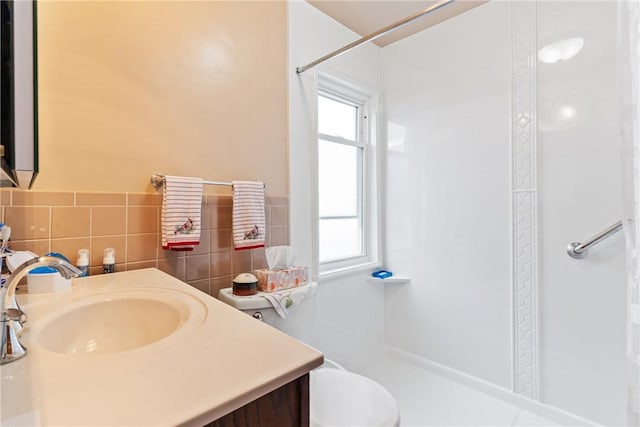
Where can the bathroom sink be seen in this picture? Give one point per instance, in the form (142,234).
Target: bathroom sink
(119,321)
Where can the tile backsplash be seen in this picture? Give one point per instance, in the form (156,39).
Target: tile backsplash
(130,222)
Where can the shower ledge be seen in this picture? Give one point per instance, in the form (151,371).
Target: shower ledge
(393,280)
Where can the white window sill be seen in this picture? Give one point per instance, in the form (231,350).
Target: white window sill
(352,269)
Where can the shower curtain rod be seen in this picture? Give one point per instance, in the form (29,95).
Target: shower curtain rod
(375,35)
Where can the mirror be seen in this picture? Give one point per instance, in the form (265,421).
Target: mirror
(19,94)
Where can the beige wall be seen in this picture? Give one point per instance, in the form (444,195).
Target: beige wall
(193,88)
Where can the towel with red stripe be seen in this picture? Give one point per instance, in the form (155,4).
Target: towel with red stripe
(181,209)
(248,215)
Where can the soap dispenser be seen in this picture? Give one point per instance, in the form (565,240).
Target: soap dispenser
(109,260)
(82,262)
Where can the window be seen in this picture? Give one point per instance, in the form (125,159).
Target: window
(344,169)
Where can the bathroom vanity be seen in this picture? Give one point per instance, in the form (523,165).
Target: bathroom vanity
(143,348)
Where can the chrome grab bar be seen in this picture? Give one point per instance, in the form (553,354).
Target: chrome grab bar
(581,250)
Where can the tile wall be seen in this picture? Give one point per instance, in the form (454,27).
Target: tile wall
(67,221)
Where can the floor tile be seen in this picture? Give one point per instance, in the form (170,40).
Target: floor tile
(427,399)
(526,418)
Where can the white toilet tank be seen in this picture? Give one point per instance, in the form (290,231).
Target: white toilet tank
(300,313)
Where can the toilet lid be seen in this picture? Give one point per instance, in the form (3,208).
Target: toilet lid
(343,398)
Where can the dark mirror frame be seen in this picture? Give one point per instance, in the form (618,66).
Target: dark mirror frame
(19,94)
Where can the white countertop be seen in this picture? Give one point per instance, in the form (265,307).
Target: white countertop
(189,378)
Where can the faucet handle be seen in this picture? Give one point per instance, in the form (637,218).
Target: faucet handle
(14,314)
(11,349)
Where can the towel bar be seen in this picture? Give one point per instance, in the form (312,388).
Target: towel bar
(581,250)
(157,181)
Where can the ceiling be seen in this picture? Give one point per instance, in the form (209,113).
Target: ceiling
(366,16)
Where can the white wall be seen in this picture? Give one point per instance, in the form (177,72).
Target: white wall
(582,302)
(447,93)
(349,310)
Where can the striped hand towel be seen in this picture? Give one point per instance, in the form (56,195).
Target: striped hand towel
(248,215)
(181,206)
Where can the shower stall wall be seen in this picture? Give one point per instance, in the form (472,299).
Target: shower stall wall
(582,302)
(512,153)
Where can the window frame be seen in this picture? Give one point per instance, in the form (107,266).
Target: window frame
(365,99)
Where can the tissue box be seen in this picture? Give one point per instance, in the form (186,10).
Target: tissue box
(277,280)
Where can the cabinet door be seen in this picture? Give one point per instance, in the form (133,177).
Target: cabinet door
(287,406)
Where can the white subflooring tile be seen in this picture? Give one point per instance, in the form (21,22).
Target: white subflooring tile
(427,399)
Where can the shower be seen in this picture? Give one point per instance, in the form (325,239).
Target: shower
(507,134)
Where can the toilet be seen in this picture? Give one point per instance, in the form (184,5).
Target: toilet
(337,397)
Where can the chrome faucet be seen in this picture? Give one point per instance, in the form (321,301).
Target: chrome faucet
(12,316)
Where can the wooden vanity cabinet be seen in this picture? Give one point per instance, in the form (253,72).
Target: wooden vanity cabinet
(287,406)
